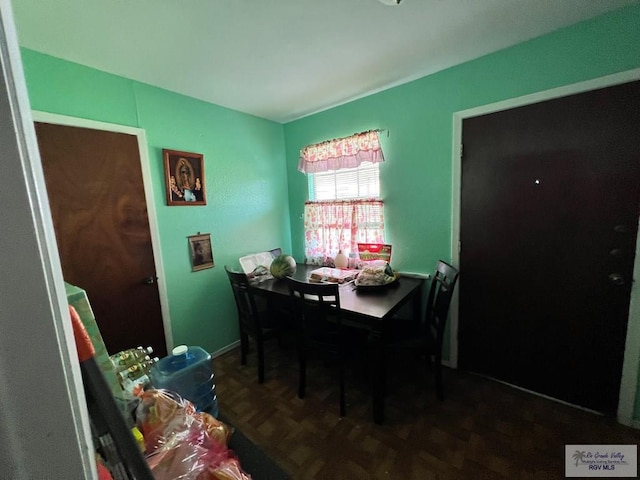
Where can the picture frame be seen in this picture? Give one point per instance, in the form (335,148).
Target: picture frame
(200,251)
(184,178)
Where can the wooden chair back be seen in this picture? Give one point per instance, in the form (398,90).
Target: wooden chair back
(439,300)
(317,312)
(248,314)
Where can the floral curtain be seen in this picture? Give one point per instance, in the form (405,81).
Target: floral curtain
(340,225)
(347,152)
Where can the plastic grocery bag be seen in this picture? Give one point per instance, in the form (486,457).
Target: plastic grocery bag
(183,444)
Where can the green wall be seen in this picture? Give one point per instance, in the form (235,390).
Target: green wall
(416,178)
(247,204)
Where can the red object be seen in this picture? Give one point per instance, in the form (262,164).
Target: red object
(374,251)
(103,472)
(83,342)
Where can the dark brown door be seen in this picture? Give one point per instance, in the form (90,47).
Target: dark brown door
(549,215)
(94,183)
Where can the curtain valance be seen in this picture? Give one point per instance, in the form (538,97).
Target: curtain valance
(347,152)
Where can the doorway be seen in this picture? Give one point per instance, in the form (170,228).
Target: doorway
(98,185)
(549,203)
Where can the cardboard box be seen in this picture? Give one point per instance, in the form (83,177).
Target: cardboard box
(368,252)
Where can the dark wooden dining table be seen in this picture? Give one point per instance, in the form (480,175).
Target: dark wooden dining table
(367,309)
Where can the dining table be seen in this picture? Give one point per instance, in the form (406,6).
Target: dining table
(369,309)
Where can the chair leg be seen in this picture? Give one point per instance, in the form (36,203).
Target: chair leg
(302,380)
(377,366)
(260,361)
(244,347)
(438,374)
(427,357)
(343,401)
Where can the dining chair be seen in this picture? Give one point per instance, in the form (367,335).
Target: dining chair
(254,319)
(426,335)
(318,319)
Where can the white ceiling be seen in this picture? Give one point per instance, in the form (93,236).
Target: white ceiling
(285,59)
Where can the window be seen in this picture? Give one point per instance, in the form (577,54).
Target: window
(344,210)
(344,207)
(346,184)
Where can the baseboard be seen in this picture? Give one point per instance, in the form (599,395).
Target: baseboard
(226,349)
(629,422)
(538,394)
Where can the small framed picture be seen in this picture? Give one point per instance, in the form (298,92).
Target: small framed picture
(184,178)
(200,251)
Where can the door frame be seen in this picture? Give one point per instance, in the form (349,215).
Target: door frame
(35,312)
(140,134)
(629,380)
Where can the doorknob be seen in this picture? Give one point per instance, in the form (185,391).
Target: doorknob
(616,279)
(149,280)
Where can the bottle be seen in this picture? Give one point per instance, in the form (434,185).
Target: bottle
(188,371)
(133,379)
(126,358)
(148,363)
(353,261)
(132,373)
(138,370)
(136,385)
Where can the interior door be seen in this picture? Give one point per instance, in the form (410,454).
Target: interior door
(95,187)
(549,217)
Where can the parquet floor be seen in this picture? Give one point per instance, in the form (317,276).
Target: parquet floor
(483,429)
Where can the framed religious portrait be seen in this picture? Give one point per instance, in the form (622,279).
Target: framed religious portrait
(184,178)
(200,251)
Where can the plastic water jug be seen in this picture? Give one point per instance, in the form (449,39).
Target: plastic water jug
(188,371)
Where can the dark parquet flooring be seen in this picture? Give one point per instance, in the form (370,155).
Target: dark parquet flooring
(483,429)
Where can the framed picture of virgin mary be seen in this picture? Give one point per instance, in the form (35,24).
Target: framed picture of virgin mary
(184,178)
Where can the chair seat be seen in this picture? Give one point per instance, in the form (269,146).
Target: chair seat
(406,340)
(400,327)
(264,317)
(267,321)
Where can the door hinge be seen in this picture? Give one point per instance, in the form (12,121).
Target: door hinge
(459,247)
(461,150)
